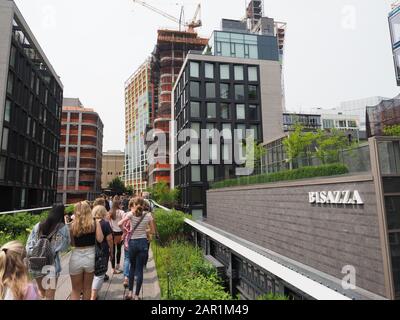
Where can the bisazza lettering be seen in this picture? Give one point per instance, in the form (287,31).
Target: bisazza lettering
(336,197)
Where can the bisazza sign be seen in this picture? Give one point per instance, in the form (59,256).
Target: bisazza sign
(336,197)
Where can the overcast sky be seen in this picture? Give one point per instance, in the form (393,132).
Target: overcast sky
(335,50)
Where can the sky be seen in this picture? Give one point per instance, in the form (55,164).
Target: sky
(335,50)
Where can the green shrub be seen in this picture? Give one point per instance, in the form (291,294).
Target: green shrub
(393,131)
(170,225)
(190,277)
(199,288)
(301,173)
(271,296)
(18,226)
(70,209)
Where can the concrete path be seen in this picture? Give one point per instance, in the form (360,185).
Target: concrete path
(113,289)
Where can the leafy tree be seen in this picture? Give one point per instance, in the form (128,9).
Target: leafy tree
(254,154)
(164,195)
(330,144)
(393,131)
(117,186)
(298,143)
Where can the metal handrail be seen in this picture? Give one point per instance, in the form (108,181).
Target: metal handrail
(28,210)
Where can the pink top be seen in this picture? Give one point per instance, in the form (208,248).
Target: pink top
(31,293)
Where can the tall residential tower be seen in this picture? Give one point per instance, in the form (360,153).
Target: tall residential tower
(80,158)
(138,112)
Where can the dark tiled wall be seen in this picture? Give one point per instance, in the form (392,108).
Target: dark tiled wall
(326,238)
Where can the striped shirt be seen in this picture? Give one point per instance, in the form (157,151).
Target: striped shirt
(140,232)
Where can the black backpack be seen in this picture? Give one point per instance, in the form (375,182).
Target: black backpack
(42,253)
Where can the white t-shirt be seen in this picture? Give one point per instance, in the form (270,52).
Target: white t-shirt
(114,223)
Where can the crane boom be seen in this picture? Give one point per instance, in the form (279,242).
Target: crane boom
(166,15)
(195,23)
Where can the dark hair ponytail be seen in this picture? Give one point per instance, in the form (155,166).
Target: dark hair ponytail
(55,218)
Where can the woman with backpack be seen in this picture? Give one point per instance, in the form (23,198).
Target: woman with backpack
(138,244)
(47,239)
(115,216)
(99,212)
(85,230)
(14,277)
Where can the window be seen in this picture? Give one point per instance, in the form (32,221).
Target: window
(7,114)
(210,90)
(352,124)
(209,70)
(224,71)
(253,112)
(10,83)
(213,152)
(241,131)
(13,56)
(196,128)
(227,131)
(255,128)
(196,195)
(4,144)
(225,114)
(253,93)
(224,90)
(210,127)
(240,112)
(253,52)
(341,123)
(2,168)
(195,109)
(195,89)
(194,69)
(194,152)
(239,75)
(328,124)
(252,73)
(227,152)
(211,110)
(196,174)
(239,92)
(23,194)
(210,173)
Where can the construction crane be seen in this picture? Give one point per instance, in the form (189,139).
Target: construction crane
(190,26)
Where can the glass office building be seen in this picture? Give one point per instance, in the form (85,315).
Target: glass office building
(243,45)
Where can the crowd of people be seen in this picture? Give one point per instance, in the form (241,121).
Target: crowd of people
(97,234)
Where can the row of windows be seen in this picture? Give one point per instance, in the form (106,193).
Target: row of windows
(17,145)
(226,111)
(224,71)
(330,124)
(225,91)
(30,102)
(11,170)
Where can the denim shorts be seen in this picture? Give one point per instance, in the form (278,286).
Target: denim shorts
(82,261)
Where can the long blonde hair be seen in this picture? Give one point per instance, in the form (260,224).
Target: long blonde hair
(99,212)
(13,270)
(83,222)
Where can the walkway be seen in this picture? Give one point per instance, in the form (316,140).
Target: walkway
(113,288)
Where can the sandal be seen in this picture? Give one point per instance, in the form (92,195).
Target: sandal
(128,298)
(126,283)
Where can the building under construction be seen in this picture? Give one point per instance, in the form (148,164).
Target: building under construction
(167,59)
